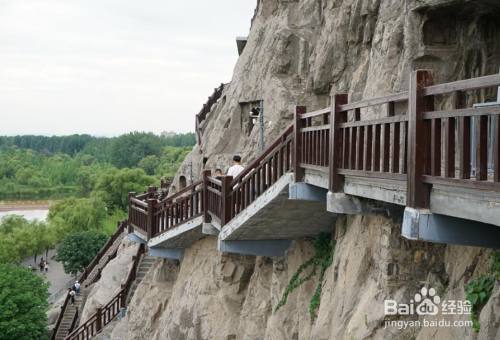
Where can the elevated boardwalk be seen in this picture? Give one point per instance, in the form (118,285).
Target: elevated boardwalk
(427,149)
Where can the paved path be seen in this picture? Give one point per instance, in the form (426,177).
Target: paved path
(58,279)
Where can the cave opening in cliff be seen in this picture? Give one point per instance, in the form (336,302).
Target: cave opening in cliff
(182,182)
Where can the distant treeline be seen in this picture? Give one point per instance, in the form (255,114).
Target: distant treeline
(37,167)
(74,144)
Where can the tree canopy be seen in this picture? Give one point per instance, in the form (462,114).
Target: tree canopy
(77,250)
(23,304)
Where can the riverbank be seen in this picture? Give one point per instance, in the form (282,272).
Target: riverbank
(24,205)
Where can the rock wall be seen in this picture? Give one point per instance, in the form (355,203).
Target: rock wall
(113,275)
(299,52)
(211,295)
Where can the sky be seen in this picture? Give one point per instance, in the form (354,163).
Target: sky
(108,67)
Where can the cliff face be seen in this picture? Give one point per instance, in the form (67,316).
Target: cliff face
(220,296)
(298,53)
(301,51)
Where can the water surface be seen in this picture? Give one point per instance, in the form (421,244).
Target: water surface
(30,215)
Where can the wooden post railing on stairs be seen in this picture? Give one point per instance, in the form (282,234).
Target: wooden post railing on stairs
(87,271)
(105,314)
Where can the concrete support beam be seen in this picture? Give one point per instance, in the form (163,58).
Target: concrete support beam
(306,192)
(317,178)
(383,190)
(167,253)
(340,203)
(465,203)
(257,248)
(422,225)
(209,229)
(136,238)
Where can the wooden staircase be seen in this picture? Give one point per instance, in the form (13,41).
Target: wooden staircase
(71,313)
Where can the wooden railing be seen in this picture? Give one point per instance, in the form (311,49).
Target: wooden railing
(369,147)
(153,216)
(213,197)
(313,136)
(177,209)
(88,270)
(398,137)
(419,146)
(445,137)
(104,315)
(261,174)
(227,197)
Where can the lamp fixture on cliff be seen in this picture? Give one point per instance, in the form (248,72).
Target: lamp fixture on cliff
(258,113)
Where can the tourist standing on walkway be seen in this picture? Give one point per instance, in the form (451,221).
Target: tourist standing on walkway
(42,265)
(77,287)
(46,267)
(236,168)
(71,296)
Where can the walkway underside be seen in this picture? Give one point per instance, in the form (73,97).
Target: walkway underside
(181,236)
(274,216)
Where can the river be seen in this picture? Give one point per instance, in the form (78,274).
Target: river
(30,215)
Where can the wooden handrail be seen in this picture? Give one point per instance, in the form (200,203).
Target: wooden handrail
(183,191)
(83,276)
(263,154)
(463,85)
(106,314)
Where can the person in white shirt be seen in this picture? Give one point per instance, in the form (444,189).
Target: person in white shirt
(236,168)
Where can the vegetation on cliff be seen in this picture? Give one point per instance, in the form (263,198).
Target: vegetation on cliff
(478,291)
(322,259)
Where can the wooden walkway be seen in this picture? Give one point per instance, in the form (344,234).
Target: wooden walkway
(403,139)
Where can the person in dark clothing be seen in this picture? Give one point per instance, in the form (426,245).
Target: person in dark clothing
(71,293)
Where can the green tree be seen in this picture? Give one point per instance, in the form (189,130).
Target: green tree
(113,186)
(23,304)
(77,250)
(149,164)
(127,150)
(77,214)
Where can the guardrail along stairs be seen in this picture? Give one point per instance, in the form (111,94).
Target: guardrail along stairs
(69,314)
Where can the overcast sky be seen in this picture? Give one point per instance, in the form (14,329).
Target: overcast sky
(106,67)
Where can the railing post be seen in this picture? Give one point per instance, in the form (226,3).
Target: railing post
(418,193)
(149,227)
(129,222)
(151,191)
(123,297)
(335,156)
(226,199)
(98,319)
(297,144)
(204,200)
